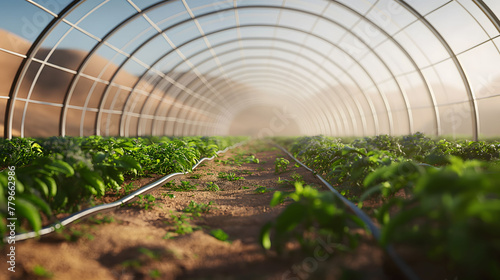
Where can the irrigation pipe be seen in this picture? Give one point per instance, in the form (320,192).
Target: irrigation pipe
(110,206)
(404,268)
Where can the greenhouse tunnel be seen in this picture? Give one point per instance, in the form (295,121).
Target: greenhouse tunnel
(256,67)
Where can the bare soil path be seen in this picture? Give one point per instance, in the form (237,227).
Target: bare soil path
(153,240)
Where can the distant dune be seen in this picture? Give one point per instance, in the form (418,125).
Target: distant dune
(52,85)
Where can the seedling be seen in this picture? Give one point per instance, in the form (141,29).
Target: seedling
(280,165)
(170,195)
(213,187)
(195,176)
(252,159)
(181,224)
(244,188)
(145,201)
(282,181)
(230,176)
(41,271)
(127,188)
(219,234)
(185,186)
(261,189)
(308,221)
(297,177)
(196,208)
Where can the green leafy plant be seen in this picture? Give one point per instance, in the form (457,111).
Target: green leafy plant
(169,195)
(261,189)
(251,159)
(128,188)
(195,176)
(297,178)
(197,208)
(282,181)
(280,165)
(451,216)
(181,224)
(312,216)
(219,234)
(41,271)
(19,151)
(184,186)
(213,187)
(64,174)
(230,176)
(144,201)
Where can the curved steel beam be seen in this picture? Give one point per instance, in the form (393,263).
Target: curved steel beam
(368,99)
(305,12)
(319,118)
(458,65)
(83,65)
(326,58)
(294,85)
(23,68)
(294,66)
(489,13)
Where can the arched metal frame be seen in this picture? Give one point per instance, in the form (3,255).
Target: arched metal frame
(206,100)
(228,42)
(297,30)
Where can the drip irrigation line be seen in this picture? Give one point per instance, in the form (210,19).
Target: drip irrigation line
(403,267)
(111,206)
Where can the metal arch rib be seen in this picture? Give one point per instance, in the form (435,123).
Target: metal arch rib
(297,85)
(23,68)
(370,103)
(458,65)
(358,106)
(291,42)
(72,86)
(341,110)
(276,70)
(280,86)
(412,61)
(292,9)
(368,100)
(320,121)
(489,13)
(246,7)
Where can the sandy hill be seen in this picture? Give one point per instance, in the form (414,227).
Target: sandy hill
(52,85)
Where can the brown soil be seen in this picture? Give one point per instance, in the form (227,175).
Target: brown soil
(138,243)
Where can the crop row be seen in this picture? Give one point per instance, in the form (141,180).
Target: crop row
(60,174)
(439,198)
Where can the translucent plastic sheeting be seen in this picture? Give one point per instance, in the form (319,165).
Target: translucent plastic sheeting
(196,67)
